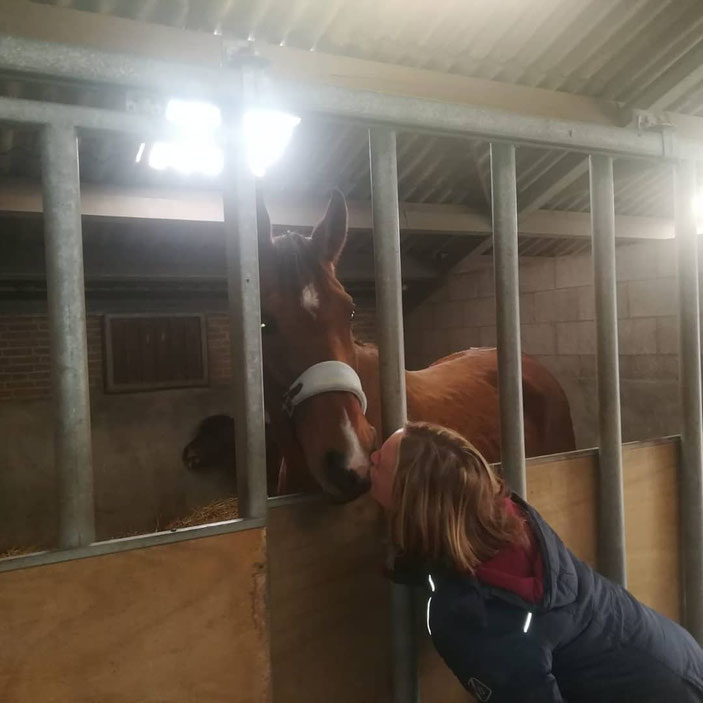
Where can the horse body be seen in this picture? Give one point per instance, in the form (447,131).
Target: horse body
(459,391)
(326,438)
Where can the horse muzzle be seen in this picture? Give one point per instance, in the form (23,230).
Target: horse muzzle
(347,483)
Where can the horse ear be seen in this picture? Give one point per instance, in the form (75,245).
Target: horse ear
(330,233)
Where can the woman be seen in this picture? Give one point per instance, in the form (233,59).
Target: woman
(513,613)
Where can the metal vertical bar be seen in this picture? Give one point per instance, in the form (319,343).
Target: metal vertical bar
(691,470)
(69,354)
(505,261)
(242,252)
(611,505)
(389,308)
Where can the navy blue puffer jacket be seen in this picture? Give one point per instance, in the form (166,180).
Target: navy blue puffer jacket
(588,641)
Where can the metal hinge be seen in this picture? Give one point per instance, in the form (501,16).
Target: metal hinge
(646,121)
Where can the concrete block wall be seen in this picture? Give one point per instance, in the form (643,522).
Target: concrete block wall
(557,309)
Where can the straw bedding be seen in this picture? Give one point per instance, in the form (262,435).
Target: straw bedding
(217,511)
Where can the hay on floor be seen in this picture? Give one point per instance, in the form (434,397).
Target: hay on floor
(219,511)
(20,551)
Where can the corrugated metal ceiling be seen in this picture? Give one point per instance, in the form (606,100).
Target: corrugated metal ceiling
(613,49)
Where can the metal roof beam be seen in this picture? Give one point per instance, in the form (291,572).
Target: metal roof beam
(178,205)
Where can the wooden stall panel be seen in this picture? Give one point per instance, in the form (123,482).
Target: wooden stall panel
(563,489)
(330,618)
(652,525)
(182,622)
(330,609)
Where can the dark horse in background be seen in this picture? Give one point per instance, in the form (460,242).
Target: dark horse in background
(326,440)
(212,449)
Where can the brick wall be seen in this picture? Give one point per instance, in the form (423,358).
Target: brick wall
(558,327)
(218,349)
(219,352)
(25,371)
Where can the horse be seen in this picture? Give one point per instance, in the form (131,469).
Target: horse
(321,386)
(212,450)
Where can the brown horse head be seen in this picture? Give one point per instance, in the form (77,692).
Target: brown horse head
(306,320)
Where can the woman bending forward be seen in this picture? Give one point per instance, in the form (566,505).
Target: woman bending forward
(514,614)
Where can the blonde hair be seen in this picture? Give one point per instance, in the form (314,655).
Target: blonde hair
(448,504)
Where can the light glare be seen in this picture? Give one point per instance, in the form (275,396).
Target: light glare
(187,157)
(267,134)
(194,115)
(196,150)
(697,205)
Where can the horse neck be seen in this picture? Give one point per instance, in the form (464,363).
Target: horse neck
(367,364)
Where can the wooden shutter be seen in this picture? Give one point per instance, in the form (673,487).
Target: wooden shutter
(147,352)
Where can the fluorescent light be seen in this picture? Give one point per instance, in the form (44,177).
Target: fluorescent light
(267,134)
(194,115)
(140,152)
(187,157)
(196,150)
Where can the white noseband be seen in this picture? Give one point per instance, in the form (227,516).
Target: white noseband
(325,377)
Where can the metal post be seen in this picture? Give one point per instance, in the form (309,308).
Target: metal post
(611,505)
(691,471)
(69,354)
(505,258)
(242,244)
(389,306)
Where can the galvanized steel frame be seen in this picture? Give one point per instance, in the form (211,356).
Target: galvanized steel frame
(384,111)
(63,242)
(691,465)
(389,302)
(507,292)
(611,505)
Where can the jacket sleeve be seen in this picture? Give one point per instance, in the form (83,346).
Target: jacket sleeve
(507,667)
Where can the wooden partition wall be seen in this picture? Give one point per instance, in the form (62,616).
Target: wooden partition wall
(329,601)
(186,621)
(177,623)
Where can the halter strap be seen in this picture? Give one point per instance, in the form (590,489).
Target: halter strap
(325,377)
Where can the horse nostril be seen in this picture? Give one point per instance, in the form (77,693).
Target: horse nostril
(349,483)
